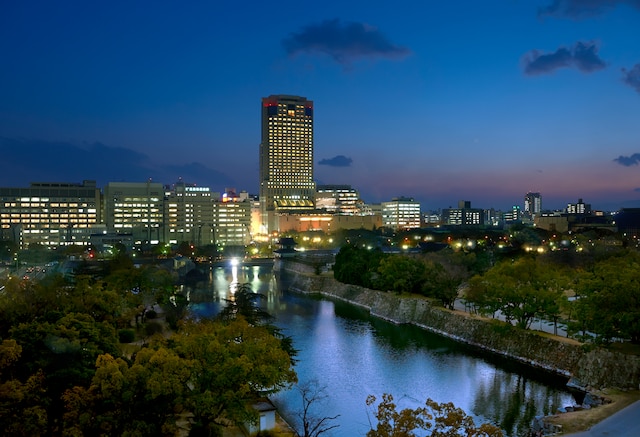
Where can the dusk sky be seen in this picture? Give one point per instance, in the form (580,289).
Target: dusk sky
(437,100)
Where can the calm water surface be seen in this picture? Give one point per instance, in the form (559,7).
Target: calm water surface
(354,355)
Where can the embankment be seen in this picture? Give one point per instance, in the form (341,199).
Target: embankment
(588,368)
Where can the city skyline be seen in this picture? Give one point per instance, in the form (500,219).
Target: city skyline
(439,102)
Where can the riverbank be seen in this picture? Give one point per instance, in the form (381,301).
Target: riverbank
(587,367)
(578,421)
(604,374)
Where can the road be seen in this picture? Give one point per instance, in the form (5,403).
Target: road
(625,423)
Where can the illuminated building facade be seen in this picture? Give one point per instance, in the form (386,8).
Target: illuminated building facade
(52,214)
(532,204)
(463,215)
(136,208)
(199,216)
(401,213)
(513,215)
(579,208)
(286,158)
(339,199)
(232,223)
(189,214)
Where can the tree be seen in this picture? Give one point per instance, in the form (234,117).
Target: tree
(245,304)
(400,274)
(608,298)
(231,363)
(310,424)
(65,352)
(140,399)
(210,369)
(440,283)
(23,406)
(441,420)
(141,287)
(521,290)
(357,266)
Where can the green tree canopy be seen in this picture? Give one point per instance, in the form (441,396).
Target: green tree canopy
(521,290)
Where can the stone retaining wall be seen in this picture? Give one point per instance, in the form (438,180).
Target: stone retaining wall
(588,368)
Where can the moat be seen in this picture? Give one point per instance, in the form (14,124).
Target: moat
(355,355)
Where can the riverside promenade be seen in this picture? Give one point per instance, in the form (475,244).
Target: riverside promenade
(624,423)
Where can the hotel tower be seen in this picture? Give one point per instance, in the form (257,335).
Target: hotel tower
(286,158)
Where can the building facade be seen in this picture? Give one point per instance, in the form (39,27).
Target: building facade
(338,199)
(203,217)
(52,214)
(189,214)
(232,224)
(401,213)
(135,208)
(463,215)
(579,208)
(59,214)
(286,157)
(532,204)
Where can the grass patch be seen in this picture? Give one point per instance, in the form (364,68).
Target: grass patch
(577,421)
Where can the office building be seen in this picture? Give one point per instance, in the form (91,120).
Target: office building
(189,214)
(199,216)
(338,199)
(52,214)
(232,225)
(286,158)
(514,215)
(401,213)
(579,208)
(463,215)
(136,208)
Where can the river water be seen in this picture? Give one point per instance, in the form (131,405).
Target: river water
(353,355)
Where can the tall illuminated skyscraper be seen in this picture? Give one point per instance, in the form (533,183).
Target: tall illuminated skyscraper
(286,157)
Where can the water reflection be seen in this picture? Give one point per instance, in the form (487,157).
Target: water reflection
(355,355)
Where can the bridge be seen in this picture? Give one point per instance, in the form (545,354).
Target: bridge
(238,261)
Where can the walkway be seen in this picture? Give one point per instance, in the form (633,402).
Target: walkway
(624,423)
(537,324)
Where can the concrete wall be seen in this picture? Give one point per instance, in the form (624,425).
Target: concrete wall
(587,367)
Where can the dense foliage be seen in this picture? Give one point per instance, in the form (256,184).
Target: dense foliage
(520,290)
(595,294)
(607,298)
(431,275)
(64,372)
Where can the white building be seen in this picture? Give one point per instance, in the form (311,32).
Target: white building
(401,213)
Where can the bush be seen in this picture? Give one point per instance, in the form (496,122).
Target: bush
(151,314)
(126,335)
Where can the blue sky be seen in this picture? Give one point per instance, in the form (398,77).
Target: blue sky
(440,101)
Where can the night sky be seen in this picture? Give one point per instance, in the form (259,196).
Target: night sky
(437,100)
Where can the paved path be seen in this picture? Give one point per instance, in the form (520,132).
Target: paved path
(625,423)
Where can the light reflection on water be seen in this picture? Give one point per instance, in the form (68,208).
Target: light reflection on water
(355,355)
